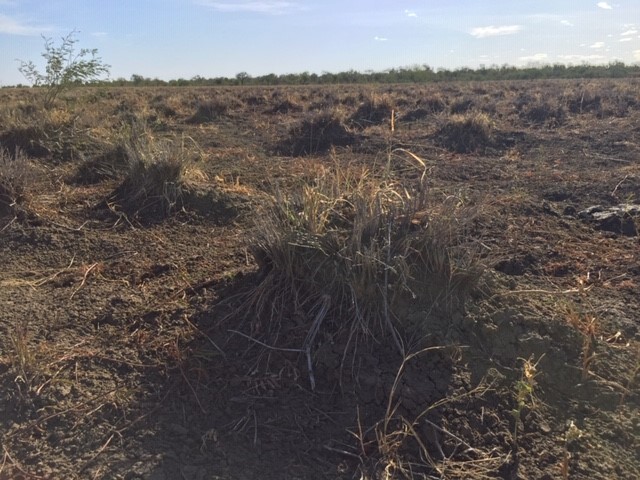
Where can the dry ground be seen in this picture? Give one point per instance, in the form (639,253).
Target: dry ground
(126,349)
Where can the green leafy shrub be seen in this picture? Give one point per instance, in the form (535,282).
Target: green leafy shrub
(65,68)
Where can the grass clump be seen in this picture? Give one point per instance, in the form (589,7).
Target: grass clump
(208,111)
(317,134)
(466,133)
(375,110)
(14,171)
(359,247)
(53,134)
(154,181)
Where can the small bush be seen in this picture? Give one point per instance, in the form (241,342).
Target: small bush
(466,133)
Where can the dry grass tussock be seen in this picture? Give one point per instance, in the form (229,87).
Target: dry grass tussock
(466,133)
(55,134)
(154,182)
(317,134)
(14,179)
(357,246)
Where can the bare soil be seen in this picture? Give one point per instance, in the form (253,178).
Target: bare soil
(123,355)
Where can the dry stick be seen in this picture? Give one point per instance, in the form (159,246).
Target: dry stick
(69,228)
(7,226)
(84,279)
(106,444)
(297,350)
(548,292)
(618,185)
(308,342)
(440,429)
(186,319)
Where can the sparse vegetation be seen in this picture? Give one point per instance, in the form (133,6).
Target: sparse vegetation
(273,291)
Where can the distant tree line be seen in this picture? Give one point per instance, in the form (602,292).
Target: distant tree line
(414,74)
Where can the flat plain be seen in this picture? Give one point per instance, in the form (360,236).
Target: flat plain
(377,282)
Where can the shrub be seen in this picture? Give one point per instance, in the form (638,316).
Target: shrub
(466,133)
(65,68)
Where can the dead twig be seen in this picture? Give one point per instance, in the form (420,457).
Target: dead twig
(84,279)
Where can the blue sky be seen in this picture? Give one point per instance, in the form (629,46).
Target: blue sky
(183,38)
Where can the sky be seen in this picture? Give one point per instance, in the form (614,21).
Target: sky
(170,39)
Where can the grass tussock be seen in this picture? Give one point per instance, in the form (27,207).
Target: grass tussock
(542,113)
(54,134)
(210,110)
(154,183)
(359,248)
(375,110)
(317,134)
(466,133)
(14,173)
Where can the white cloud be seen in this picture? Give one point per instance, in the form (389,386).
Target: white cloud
(636,55)
(629,32)
(604,5)
(491,31)
(380,39)
(273,7)
(567,23)
(536,57)
(99,34)
(580,58)
(626,39)
(409,13)
(12,26)
(597,45)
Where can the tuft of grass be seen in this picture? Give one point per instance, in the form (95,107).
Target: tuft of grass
(14,177)
(400,448)
(154,181)
(317,134)
(540,112)
(54,134)
(375,110)
(466,133)
(210,110)
(364,245)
